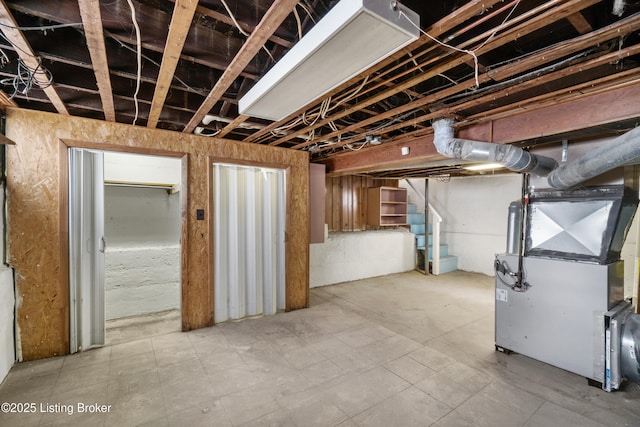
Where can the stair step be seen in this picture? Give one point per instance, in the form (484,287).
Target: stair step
(444,250)
(415,218)
(420,240)
(411,208)
(448,263)
(417,228)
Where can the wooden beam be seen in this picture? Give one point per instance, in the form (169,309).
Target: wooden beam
(183,12)
(580,23)
(92,23)
(531,20)
(553,52)
(118,25)
(5,101)
(28,56)
(245,27)
(558,118)
(468,11)
(267,26)
(231,126)
(540,81)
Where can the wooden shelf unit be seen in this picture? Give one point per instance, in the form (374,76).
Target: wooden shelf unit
(386,206)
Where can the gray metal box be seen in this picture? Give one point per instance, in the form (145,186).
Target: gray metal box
(559,319)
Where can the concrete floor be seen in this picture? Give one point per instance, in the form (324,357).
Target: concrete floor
(400,350)
(133,328)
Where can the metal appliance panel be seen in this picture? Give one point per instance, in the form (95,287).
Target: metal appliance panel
(588,224)
(558,320)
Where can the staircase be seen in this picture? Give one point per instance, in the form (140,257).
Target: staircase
(445,262)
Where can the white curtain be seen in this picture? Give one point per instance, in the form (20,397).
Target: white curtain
(249,228)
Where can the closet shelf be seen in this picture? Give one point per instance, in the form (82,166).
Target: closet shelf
(171,188)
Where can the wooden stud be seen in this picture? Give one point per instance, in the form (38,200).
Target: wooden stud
(92,22)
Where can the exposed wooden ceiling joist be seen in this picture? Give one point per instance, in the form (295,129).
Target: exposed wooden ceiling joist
(540,78)
(92,22)
(580,23)
(269,23)
(180,24)
(28,56)
(537,21)
(452,20)
(245,27)
(559,118)
(530,54)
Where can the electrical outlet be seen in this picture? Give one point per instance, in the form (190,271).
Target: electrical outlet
(200,214)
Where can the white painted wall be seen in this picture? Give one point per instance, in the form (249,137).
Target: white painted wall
(475,221)
(359,255)
(142,232)
(7,303)
(140,280)
(474,212)
(629,255)
(127,167)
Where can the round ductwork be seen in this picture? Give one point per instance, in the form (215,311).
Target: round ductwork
(630,348)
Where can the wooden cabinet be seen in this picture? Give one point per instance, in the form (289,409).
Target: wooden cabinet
(386,206)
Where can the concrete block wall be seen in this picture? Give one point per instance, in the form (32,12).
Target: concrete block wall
(361,254)
(142,232)
(141,280)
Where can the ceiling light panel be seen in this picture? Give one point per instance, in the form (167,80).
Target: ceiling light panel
(353,36)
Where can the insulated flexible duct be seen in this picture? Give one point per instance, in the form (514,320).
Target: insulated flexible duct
(511,157)
(621,150)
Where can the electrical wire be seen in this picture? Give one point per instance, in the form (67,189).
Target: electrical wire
(500,26)
(306,9)
(203,92)
(139,60)
(25,79)
(16,47)
(503,270)
(295,14)
(243,32)
(42,27)
(448,46)
(466,51)
(233,18)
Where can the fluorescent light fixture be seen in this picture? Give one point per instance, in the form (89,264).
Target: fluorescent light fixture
(352,36)
(483,167)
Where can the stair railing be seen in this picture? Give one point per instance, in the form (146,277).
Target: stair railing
(435,251)
(435,231)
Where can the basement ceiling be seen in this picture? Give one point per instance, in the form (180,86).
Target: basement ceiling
(167,64)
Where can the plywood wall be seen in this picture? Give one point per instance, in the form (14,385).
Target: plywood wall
(37,208)
(346,201)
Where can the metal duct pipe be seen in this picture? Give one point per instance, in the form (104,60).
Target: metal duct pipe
(621,150)
(511,157)
(630,348)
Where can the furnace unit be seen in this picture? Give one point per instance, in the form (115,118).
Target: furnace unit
(560,292)
(560,286)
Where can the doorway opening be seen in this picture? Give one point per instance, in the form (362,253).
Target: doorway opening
(125,224)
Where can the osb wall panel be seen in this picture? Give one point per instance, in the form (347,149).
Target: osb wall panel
(346,201)
(37,239)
